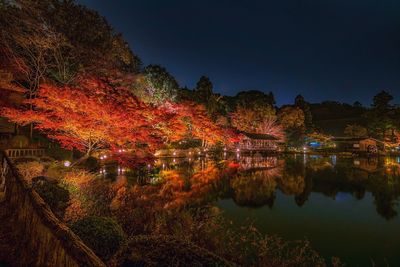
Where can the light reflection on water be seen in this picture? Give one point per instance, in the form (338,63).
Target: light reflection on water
(347,207)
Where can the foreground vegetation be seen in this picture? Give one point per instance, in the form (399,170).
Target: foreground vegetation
(123,221)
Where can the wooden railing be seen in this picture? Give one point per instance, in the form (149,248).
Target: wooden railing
(45,239)
(24,152)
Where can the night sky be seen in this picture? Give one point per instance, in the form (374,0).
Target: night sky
(342,50)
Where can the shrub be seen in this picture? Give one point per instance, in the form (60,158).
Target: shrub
(59,153)
(30,169)
(78,179)
(53,194)
(186,144)
(92,164)
(102,234)
(56,170)
(161,250)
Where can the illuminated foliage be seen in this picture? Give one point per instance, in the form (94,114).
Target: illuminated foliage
(99,114)
(157,85)
(355,130)
(292,120)
(305,107)
(90,117)
(270,126)
(199,125)
(249,119)
(291,117)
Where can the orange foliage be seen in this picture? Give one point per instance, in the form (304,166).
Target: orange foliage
(198,124)
(100,114)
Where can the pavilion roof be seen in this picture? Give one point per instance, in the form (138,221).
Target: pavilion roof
(257,136)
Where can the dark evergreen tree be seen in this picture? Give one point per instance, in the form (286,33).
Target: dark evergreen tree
(380,117)
(204,90)
(303,105)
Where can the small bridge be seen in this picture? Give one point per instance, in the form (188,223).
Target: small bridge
(24,152)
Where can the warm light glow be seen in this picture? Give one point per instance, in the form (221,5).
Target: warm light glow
(67,163)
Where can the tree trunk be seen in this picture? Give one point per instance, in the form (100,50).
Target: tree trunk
(31,131)
(81,159)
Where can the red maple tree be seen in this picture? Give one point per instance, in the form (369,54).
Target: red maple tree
(92,116)
(99,114)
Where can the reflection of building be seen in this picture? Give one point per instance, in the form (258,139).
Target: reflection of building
(369,165)
(258,142)
(257,162)
(358,144)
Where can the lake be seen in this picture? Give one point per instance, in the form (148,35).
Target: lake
(346,207)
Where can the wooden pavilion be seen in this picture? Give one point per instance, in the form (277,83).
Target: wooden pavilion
(258,142)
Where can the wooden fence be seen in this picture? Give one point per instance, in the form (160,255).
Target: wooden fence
(24,152)
(46,240)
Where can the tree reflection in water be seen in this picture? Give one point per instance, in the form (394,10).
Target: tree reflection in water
(253,182)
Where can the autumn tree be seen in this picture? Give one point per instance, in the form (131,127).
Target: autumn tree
(156,85)
(305,107)
(59,40)
(199,125)
(27,42)
(92,116)
(355,130)
(101,114)
(250,119)
(270,126)
(292,120)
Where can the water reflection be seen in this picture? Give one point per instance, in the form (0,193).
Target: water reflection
(253,181)
(346,195)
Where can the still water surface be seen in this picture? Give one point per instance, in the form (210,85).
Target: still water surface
(346,207)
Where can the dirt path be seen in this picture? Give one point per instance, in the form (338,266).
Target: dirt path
(8,241)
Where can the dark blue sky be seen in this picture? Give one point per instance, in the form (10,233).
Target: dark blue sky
(344,50)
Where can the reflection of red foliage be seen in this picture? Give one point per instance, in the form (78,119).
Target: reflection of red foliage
(133,160)
(233,165)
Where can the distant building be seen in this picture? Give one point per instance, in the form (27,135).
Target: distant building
(258,142)
(359,144)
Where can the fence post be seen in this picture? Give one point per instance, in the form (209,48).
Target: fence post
(3,175)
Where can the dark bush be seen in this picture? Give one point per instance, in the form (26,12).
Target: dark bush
(92,164)
(58,153)
(186,144)
(163,250)
(54,195)
(102,234)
